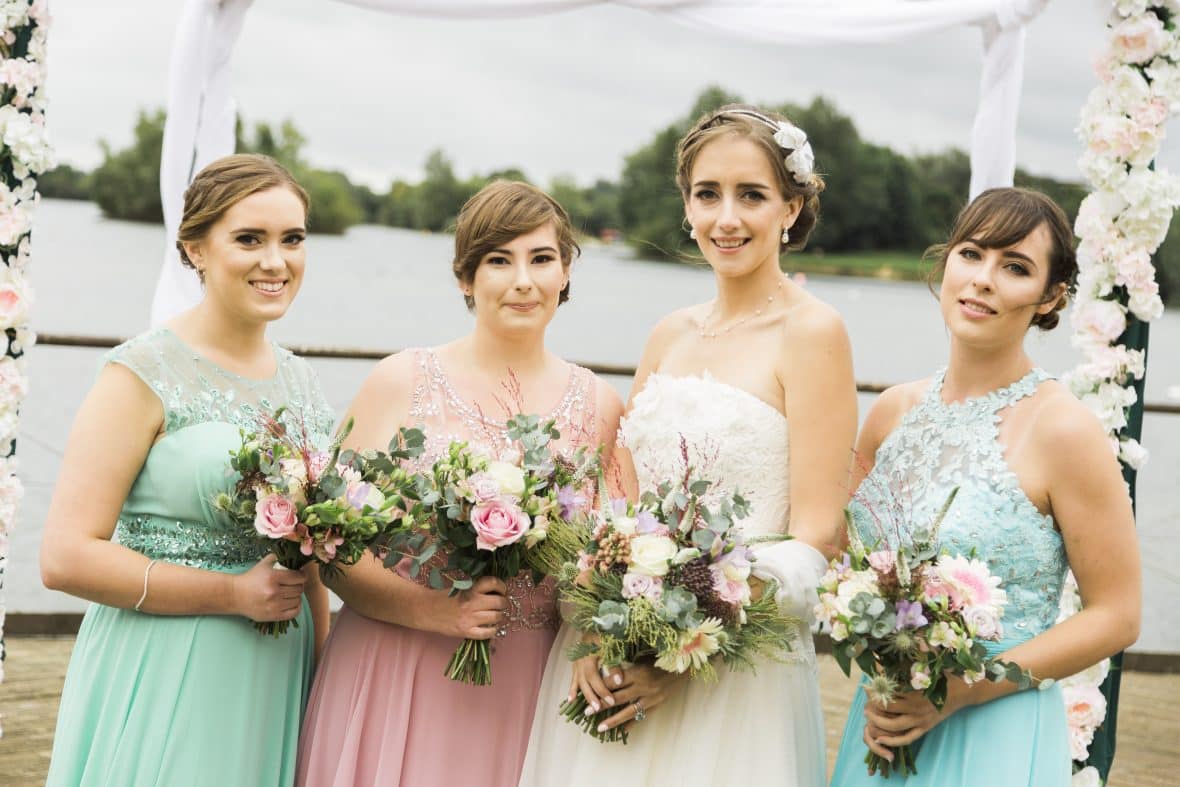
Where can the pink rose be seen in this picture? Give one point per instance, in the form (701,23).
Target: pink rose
(637,585)
(316,464)
(275,516)
(483,487)
(498,523)
(882,562)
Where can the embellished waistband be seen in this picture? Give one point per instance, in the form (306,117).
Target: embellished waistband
(194,544)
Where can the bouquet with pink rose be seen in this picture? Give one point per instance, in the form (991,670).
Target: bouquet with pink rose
(669,580)
(309,504)
(491,517)
(910,618)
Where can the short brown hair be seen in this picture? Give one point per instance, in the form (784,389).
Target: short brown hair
(499,212)
(743,120)
(1002,217)
(223,184)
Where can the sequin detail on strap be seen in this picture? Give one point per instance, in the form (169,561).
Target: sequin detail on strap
(938,446)
(446,417)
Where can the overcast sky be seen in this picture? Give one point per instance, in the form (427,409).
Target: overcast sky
(569,93)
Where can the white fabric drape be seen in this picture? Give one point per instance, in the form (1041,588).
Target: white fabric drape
(201,108)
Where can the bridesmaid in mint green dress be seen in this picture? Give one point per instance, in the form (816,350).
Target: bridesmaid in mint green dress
(1039,492)
(169,682)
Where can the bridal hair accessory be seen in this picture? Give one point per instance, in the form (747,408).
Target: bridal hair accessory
(801,160)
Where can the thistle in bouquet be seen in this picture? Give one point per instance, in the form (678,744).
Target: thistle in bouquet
(306,504)
(669,581)
(493,517)
(911,618)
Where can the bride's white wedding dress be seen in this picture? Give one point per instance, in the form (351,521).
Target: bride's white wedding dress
(748,729)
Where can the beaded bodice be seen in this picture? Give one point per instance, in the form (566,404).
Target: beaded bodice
(939,446)
(168,513)
(446,416)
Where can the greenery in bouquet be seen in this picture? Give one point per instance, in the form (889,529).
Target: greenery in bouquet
(307,504)
(479,516)
(669,581)
(911,617)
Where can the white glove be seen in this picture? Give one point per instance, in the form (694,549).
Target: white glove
(797,568)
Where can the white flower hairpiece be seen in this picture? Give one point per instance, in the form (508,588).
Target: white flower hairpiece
(800,160)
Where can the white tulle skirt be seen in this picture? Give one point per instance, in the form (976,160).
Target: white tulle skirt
(746,730)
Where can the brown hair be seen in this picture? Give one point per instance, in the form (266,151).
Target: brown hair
(1002,217)
(223,184)
(745,121)
(499,212)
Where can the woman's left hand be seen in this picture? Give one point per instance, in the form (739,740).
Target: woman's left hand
(644,688)
(910,715)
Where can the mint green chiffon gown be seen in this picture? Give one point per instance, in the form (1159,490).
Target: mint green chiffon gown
(190,699)
(1020,740)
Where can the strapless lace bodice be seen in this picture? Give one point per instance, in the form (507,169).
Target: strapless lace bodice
(940,446)
(726,434)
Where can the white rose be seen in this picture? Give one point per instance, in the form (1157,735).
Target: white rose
(1085,707)
(1134,454)
(650,555)
(983,622)
(626,525)
(508,476)
(1139,38)
(1086,777)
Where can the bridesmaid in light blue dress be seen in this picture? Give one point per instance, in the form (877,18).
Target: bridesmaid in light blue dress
(169,682)
(1039,492)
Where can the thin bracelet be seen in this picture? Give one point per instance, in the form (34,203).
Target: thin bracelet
(146,572)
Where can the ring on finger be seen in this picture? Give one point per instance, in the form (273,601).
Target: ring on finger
(640,713)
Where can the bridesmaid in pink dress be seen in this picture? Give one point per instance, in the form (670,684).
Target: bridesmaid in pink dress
(381,711)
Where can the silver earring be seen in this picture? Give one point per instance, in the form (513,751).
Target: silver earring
(786,236)
(692,233)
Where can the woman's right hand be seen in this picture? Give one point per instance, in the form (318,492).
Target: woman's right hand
(476,613)
(588,679)
(266,593)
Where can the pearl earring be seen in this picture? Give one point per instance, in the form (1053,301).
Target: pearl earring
(692,233)
(786,236)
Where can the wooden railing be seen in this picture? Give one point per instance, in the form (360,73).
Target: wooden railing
(360,354)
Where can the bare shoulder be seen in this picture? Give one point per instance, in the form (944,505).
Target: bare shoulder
(674,325)
(1063,425)
(891,406)
(610,404)
(815,320)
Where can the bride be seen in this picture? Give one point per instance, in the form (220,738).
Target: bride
(762,367)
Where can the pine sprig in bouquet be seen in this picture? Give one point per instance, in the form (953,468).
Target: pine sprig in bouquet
(669,581)
(910,618)
(491,517)
(308,504)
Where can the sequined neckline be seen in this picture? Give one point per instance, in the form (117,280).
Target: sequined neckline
(472,412)
(188,348)
(992,400)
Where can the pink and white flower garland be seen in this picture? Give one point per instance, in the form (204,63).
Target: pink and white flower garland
(1120,224)
(24,153)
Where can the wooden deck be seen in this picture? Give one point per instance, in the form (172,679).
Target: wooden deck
(1149,725)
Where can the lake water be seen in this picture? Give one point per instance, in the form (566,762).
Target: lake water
(383,288)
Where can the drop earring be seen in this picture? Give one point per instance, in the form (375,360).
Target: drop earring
(786,236)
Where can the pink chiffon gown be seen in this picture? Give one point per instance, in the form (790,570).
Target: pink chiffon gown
(381,710)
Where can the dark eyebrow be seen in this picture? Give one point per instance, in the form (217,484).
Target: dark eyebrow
(537,250)
(259,231)
(714,184)
(1007,252)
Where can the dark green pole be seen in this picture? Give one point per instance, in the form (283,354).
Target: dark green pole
(1102,749)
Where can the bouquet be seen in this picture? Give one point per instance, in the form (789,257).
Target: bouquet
(491,517)
(910,618)
(307,504)
(669,580)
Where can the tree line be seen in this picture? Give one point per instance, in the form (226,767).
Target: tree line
(876,198)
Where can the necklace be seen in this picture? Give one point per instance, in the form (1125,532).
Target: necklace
(707,334)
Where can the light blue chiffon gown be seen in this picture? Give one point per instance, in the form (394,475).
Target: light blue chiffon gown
(1020,739)
(190,700)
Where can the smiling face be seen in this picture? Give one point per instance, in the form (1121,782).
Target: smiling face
(517,285)
(736,207)
(252,258)
(990,296)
